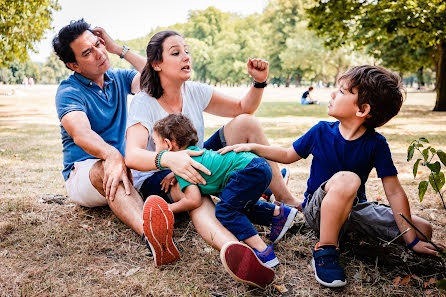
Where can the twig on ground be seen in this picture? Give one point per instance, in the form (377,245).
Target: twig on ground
(398,236)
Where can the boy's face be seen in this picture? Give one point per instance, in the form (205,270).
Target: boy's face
(160,143)
(343,103)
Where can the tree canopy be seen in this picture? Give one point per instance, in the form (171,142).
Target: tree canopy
(416,27)
(23,23)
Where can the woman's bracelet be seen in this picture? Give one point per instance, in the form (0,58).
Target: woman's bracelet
(413,243)
(158,160)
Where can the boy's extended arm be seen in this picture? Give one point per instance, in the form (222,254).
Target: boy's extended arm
(273,153)
(399,204)
(189,201)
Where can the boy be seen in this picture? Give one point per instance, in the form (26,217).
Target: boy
(306,98)
(344,153)
(238,178)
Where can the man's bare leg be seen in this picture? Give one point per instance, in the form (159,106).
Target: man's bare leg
(128,208)
(246,128)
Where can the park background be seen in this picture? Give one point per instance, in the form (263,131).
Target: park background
(51,247)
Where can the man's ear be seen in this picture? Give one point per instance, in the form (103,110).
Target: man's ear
(364,111)
(73,66)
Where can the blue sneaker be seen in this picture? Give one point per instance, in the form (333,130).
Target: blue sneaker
(326,266)
(268,195)
(282,222)
(267,257)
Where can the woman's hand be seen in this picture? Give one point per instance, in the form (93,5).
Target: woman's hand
(258,69)
(168,181)
(184,166)
(241,147)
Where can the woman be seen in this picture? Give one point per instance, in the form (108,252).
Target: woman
(166,89)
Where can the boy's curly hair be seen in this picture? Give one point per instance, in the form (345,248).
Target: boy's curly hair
(378,87)
(177,127)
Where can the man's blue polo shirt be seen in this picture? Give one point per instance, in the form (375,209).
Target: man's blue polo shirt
(106,110)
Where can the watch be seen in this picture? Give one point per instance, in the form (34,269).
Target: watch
(259,85)
(125,49)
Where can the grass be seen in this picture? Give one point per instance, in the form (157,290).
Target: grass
(51,249)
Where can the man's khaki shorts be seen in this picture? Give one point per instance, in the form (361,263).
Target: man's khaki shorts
(79,187)
(369,218)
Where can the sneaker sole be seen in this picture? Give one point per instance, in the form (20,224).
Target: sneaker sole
(158,228)
(289,222)
(242,264)
(334,284)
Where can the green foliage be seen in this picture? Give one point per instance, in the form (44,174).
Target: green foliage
(23,23)
(54,70)
(436,177)
(441,284)
(411,33)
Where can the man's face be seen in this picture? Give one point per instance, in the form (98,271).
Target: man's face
(91,56)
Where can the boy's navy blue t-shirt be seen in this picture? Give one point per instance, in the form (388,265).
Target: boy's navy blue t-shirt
(332,153)
(305,94)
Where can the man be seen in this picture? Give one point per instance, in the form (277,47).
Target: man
(91,105)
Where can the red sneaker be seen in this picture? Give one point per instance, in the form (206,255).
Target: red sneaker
(242,264)
(158,229)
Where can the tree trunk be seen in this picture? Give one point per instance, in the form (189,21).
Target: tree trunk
(420,77)
(288,81)
(298,80)
(440,104)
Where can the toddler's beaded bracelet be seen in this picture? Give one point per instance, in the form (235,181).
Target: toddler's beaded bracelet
(413,243)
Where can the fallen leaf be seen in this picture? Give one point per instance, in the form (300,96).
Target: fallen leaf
(379,198)
(132,271)
(430,282)
(281,288)
(396,281)
(86,227)
(417,278)
(405,280)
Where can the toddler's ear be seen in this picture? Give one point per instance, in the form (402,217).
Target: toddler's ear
(364,111)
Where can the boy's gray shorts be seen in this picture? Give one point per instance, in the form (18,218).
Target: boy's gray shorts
(369,218)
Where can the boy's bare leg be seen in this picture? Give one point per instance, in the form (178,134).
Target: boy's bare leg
(246,128)
(128,208)
(336,206)
(208,226)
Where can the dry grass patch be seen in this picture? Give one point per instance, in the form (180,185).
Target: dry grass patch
(52,247)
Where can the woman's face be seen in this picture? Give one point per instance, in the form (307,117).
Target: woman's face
(176,64)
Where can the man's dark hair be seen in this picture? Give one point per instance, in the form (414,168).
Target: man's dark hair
(177,127)
(150,79)
(378,87)
(66,35)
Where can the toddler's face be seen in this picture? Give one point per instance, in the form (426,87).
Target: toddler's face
(160,143)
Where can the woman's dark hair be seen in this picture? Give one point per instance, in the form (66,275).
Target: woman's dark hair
(378,87)
(177,127)
(150,80)
(66,35)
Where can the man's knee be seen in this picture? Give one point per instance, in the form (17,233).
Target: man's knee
(247,121)
(344,181)
(97,174)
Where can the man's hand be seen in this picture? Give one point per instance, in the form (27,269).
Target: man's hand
(110,45)
(258,69)
(168,181)
(115,171)
(241,147)
(184,166)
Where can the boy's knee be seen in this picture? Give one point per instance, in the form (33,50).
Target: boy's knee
(424,226)
(345,181)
